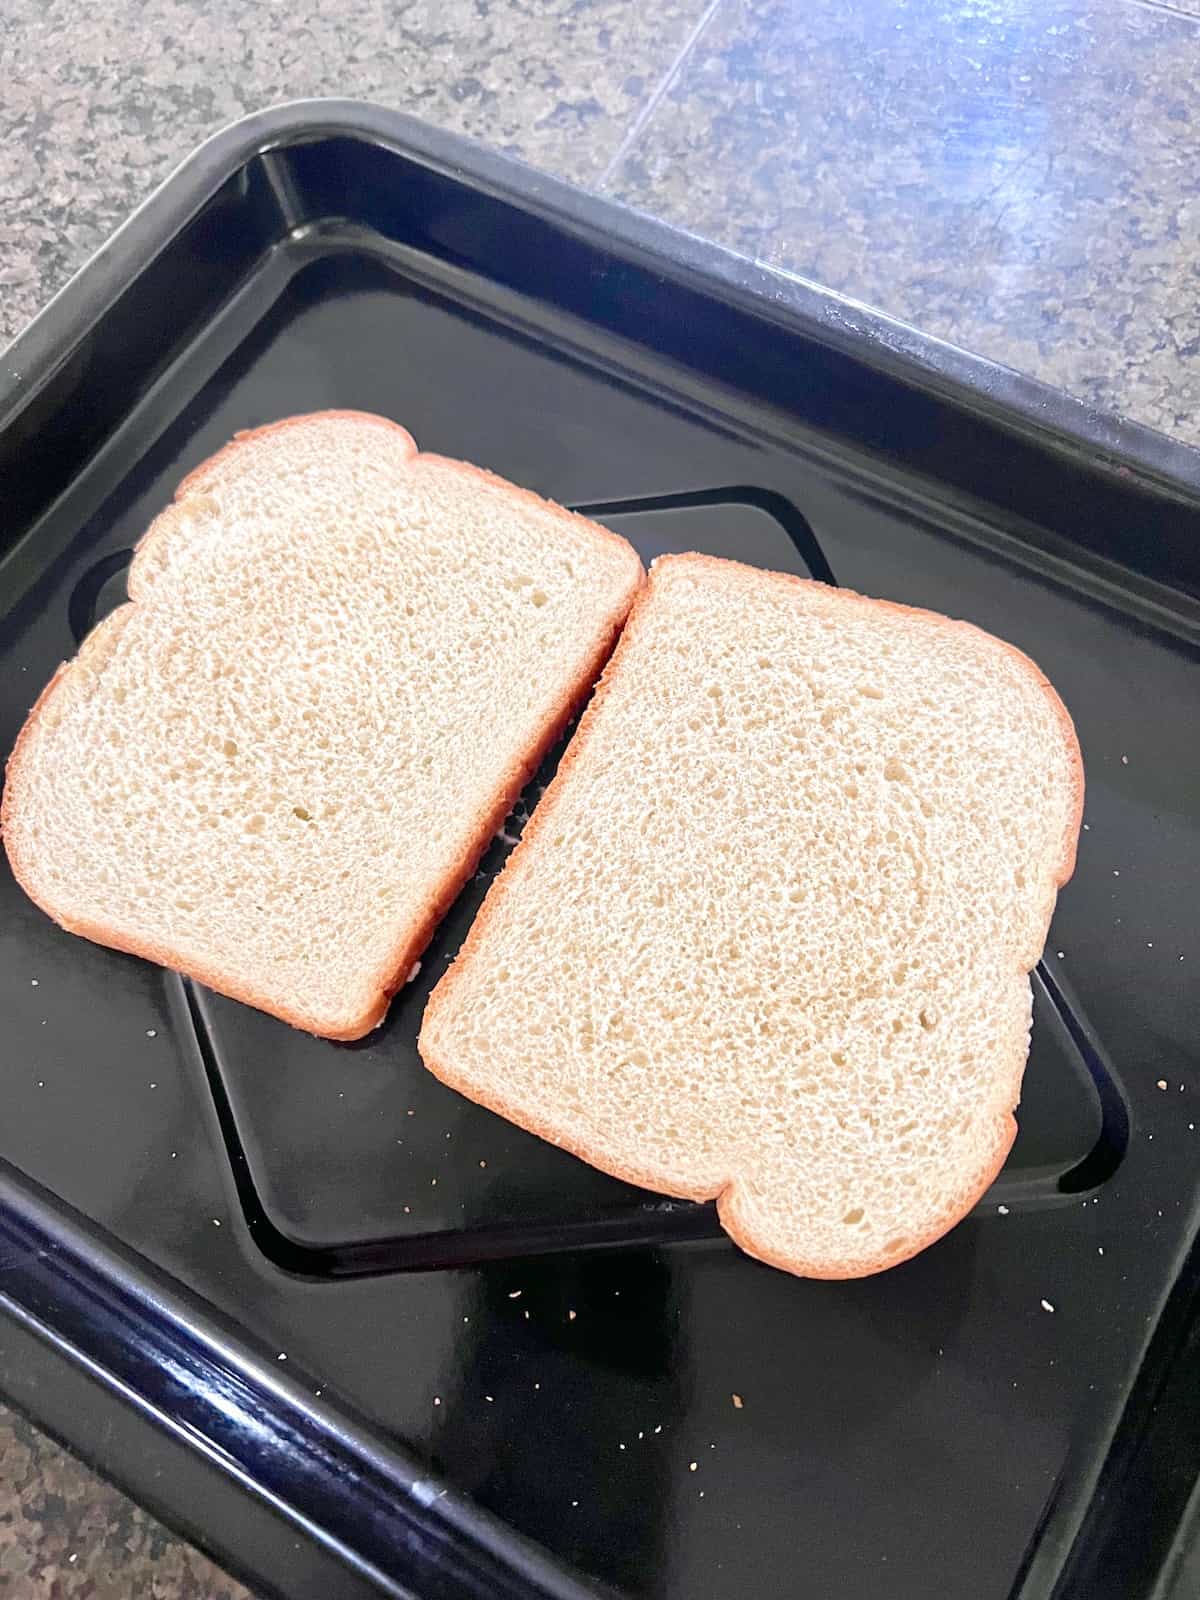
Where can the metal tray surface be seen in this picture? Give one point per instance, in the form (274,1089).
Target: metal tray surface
(356,1335)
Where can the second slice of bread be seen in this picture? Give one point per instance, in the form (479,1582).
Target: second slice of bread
(767,936)
(275,768)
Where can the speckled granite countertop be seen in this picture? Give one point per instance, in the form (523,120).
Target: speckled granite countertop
(1019,176)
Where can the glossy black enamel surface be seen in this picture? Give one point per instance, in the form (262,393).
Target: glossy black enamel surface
(482,1313)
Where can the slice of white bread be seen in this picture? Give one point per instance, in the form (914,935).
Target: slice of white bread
(767,936)
(275,768)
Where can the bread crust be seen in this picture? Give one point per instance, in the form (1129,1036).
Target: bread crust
(414,936)
(739,1228)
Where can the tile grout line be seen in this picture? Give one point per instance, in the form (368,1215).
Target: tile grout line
(1165,8)
(661,89)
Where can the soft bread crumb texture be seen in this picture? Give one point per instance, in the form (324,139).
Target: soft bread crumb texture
(767,937)
(275,767)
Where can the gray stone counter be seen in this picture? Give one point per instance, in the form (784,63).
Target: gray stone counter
(1020,178)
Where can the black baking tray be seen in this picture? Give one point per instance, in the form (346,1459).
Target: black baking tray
(356,1336)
